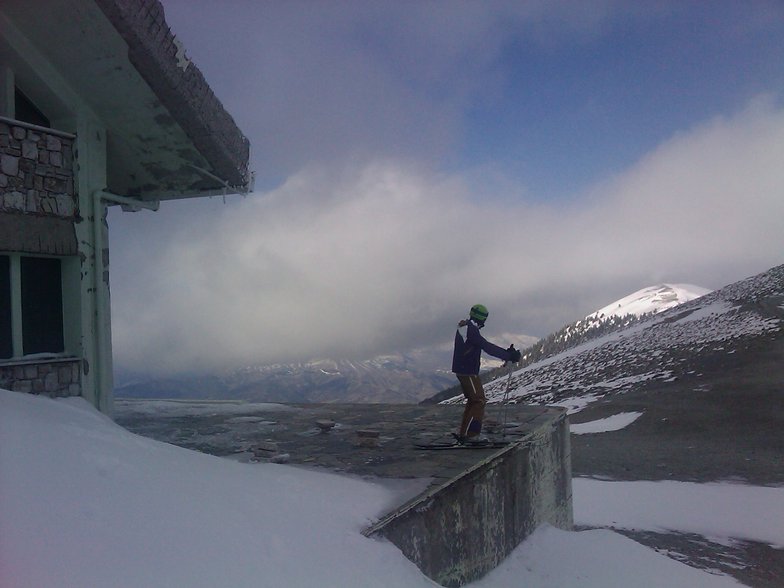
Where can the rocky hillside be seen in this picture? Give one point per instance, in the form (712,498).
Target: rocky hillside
(621,314)
(678,343)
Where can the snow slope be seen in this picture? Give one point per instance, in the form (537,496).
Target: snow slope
(86,503)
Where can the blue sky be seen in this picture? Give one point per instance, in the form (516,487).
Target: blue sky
(594,104)
(414,158)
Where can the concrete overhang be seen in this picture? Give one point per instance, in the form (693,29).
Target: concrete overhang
(168,136)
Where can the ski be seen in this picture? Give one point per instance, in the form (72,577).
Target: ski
(445,445)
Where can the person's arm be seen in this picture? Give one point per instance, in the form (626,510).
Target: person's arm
(475,338)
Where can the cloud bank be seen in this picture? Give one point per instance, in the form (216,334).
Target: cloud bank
(371,257)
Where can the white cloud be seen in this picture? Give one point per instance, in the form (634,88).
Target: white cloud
(324,265)
(706,199)
(387,255)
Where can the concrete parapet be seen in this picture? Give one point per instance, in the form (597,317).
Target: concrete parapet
(460,530)
(466,510)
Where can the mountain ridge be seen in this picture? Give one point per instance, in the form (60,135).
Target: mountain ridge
(674,344)
(621,314)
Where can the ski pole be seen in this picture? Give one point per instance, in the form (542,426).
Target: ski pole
(506,397)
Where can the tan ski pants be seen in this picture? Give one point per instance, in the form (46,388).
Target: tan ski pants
(474,412)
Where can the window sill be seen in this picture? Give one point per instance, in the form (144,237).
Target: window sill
(38,359)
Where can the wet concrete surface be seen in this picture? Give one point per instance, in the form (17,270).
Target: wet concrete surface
(293,434)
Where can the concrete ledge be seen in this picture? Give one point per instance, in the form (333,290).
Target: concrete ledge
(466,509)
(458,531)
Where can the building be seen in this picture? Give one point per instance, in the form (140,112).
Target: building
(99,106)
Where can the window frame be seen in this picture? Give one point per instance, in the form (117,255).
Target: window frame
(6,312)
(16,304)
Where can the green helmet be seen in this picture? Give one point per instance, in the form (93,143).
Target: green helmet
(479,312)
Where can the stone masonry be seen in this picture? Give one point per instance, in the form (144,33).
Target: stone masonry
(38,208)
(54,378)
(36,172)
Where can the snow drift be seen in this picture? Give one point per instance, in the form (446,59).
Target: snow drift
(86,503)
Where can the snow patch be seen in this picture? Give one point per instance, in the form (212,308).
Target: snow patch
(615,422)
(720,512)
(590,559)
(575,403)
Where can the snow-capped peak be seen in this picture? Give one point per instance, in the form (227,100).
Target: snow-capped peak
(651,299)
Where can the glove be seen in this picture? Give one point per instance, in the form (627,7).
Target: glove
(514,354)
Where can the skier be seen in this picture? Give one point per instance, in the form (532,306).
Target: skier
(469,345)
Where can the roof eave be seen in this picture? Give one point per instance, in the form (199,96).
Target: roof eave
(181,88)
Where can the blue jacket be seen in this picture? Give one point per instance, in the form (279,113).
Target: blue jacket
(468,349)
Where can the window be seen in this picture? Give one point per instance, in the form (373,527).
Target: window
(27,111)
(42,305)
(6,342)
(31,306)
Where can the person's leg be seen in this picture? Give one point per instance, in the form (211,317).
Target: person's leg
(474,411)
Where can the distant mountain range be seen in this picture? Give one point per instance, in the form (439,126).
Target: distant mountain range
(404,377)
(396,378)
(585,362)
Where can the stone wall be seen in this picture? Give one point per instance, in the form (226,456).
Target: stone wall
(38,203)
(36,172)
(38,209)
(53,378)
